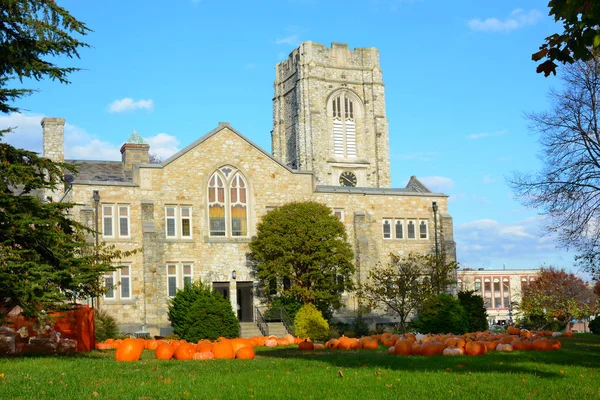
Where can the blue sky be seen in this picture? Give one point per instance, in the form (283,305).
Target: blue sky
(458,75)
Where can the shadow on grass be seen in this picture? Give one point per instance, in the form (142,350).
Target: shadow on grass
(575,353)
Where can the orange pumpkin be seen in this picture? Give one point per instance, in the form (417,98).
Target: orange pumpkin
(239,343)
(164,352)
(508,339)
(491,345)
(184,352)
(332,344)
(556,345)
(245,353)
(519,345)
(223,350)
(475,349)
(104,346)
(370,344)
(271,342)
(416,350)
(319,346)
(116,343)
(432,348)
(203,355)
(392,350)
(129,350)
(568,334)
(455,342)
(204,347)
(542,344)
(306,345)
(152,344)
(403,347)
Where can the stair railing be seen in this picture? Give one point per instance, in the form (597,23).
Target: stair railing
(260,322)
(287,322)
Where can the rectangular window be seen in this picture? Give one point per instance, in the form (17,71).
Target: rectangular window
(109,284)
(339,213)
(186,222)
(399,229)
(125,283)
(171,279)
(477,285)
(124,221)
(411,229)
(170,218)
(497,302)
(118,284)
(387,228)
(488,302)
(178,222)
(423,234)
(107,221)
(488,286)
(178,275)
(496,286)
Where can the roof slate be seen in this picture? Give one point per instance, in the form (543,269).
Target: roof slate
(99,171)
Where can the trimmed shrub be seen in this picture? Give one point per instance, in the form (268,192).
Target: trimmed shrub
(105,326)
(441,314)
(196,313)
(477,318)
(595,326)
(309,323)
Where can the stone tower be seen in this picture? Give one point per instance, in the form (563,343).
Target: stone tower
(329,115)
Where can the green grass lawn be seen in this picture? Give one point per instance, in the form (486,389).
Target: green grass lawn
(286,373)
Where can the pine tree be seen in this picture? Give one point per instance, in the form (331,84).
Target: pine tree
(45,259)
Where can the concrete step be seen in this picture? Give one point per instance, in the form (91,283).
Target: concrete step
(249,329)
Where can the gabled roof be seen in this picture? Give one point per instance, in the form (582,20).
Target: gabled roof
(222,125)
(107,172)
(414,185)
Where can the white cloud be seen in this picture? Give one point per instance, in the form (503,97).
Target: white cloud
(163,145)
(128,104)
(485,241)
(437,183)
(482,135)
(292,40)
(516,20)
(79,144)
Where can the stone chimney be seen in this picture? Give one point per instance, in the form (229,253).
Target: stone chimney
(134,151)
(54,138)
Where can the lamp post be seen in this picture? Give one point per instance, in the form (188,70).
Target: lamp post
(96,198)
(434,206)
(233,275)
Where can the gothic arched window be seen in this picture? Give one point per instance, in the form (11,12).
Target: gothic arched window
(344,108)
(227,203)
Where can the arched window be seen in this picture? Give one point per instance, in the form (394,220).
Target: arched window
(227,203)
(344,108)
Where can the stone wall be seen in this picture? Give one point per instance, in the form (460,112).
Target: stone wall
(302,126)
(184,181)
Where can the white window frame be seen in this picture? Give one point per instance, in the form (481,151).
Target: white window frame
(387,222)
(124,219)
(118,277)
(425,223)
(180,276)
(227,174)
(116,220)
(415,231)
(396,229)
(178,219)
(339,213)
(111,207)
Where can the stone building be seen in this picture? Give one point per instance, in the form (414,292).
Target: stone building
(500,288)
(195,213)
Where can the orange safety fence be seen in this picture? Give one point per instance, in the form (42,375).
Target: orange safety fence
(60,332)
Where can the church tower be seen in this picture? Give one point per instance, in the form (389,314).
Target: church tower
(329,115)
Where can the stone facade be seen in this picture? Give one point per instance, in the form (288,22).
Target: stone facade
(306,85)
(165,209)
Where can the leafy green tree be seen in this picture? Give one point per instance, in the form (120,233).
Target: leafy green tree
(580,39)
(557,296)
(407,282)
(45,259)
(477,318)
(197,312)
(441,314)
(303,248)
